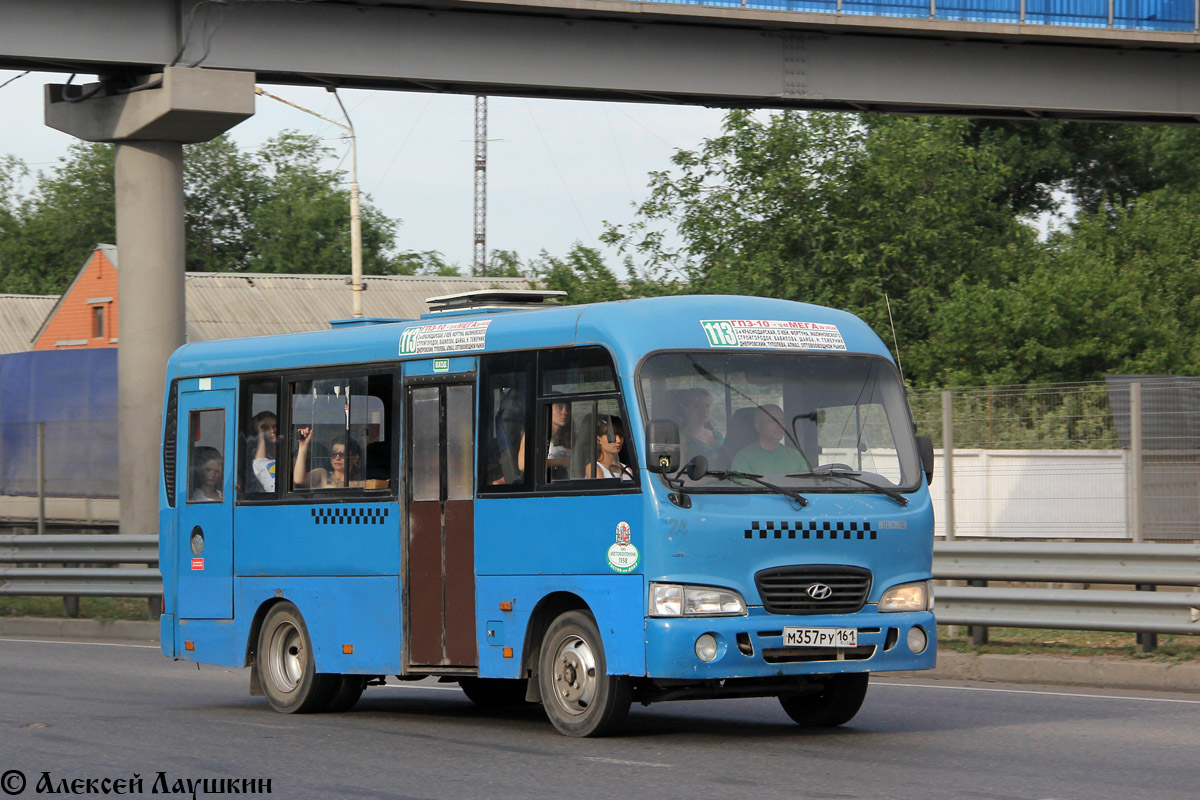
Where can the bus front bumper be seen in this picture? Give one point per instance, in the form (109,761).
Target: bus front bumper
(753,646)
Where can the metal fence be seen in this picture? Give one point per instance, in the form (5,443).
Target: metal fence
(75,565)
(1150,15)
(1116,459)
(99,565)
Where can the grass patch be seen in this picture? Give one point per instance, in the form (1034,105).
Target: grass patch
(1036,641)
(103,609)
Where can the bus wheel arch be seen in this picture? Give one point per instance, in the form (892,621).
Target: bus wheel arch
(548,609)
(284,663)
(251,657)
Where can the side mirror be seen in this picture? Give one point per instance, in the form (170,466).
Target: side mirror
(925,449)
(697,468)
(662,446)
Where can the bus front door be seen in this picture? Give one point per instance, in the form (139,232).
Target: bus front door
(439,595)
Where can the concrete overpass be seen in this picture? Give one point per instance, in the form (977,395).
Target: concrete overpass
(655,52)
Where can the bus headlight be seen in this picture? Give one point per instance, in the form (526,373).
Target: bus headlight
(908,597)
(682,600)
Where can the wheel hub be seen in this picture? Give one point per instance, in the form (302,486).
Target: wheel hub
(286,658)
(575,680)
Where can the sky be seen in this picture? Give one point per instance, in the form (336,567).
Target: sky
(557,169)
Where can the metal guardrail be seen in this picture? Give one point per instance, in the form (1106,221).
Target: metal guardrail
(1068,562)
(1143,565)
(1146,566)
(75,581)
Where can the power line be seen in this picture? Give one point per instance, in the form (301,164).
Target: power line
(15,77)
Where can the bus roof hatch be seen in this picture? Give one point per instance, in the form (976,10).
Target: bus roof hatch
(494,300)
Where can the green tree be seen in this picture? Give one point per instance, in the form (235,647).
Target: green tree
(581,273)
(277,209)
(1119,293)
(52,231)
(425,262)
(832,209)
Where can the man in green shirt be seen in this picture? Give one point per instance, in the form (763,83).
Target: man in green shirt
(769,455)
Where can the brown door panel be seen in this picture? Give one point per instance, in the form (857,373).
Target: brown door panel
(425,605)
(460,583)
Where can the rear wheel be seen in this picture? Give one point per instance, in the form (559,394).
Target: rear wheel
(494,692)
(285,665)
(835,704)
(580,697)
(347,690)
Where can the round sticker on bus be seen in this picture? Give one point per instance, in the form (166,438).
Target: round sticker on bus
(623,556)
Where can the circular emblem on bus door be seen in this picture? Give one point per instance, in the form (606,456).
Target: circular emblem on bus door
(819,591)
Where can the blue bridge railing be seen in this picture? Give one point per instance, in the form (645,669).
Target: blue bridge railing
(1144,15)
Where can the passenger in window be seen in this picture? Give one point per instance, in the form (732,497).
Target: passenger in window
(208,476)
(699,436)
(266,432)
(343,458)
(509,446)
(610,438)
(558,449)
(770,454)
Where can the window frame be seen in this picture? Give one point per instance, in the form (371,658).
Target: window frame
(538,421)
(284,493)
(192,466)
(882,361)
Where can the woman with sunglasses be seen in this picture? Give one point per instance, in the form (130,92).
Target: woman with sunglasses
(343,458)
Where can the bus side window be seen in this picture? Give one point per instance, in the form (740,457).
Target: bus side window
(370,417)
(505,429)
(578,397)
(260,432)
(206,457)
(339,433)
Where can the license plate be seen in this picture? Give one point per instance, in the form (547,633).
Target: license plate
(820,637)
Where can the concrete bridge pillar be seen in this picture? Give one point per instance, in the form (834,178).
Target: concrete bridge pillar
(149,118)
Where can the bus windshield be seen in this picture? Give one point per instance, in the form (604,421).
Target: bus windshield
(800,421)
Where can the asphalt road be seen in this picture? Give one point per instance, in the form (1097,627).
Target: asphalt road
(93,711)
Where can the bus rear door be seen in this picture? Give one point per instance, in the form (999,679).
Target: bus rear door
(439,595)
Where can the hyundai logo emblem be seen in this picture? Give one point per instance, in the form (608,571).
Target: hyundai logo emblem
(819,591)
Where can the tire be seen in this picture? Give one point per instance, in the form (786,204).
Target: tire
(347,690)
(836,704)
(494,692)
(285,664)
(580,697)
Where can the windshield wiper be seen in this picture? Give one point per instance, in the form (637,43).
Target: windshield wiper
(836,471)
(726,474)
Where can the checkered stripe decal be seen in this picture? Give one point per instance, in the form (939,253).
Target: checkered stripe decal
(349,516)
(809,530)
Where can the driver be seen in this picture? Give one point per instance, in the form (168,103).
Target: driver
(770,454)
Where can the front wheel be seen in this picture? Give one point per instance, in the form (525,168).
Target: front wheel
(580,697)
(835,704)
(285,666)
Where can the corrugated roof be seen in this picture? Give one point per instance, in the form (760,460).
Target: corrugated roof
(229,305)
(20,317)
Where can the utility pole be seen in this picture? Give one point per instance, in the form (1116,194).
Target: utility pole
(356,281)
(480,266)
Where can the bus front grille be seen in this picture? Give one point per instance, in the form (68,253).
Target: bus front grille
(793,655)
(813,589)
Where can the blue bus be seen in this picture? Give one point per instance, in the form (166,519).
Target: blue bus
(582,506)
